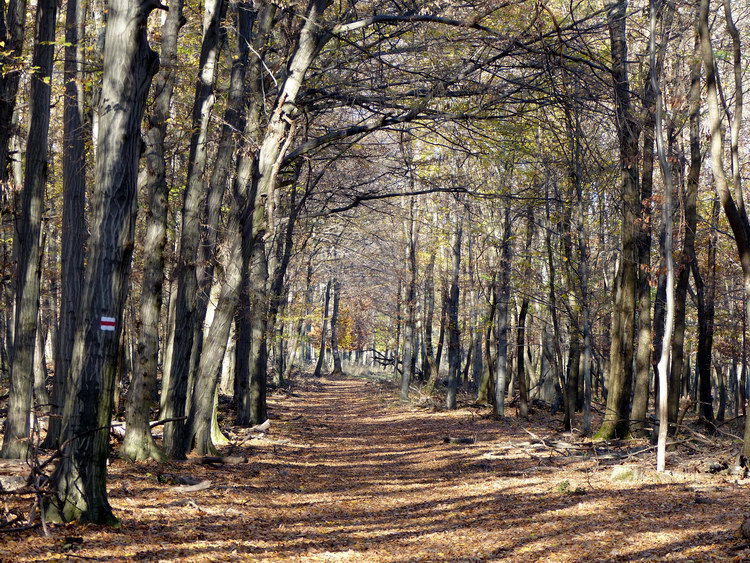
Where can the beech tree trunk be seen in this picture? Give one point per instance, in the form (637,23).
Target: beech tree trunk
(139,444)
(186,272)
(323,331)
(454,336)
(12,33)
(732,199)
(429,365)
(335,329)
(258,334)
(503,324)
(645,333)
(410,352)
(74,229)
(665,381)
(28,242)
(79,480)
(616,417)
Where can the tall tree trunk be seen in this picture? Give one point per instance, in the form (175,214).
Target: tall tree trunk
(706,290)
(12,34)
(323,332)
(28,249)
(645,333)
(410,353)
(523,387)
(335,328)
(454,342)
(79,480)
(139,444)
(486,392)
(258,333)
(186,273)
(246,20)
(616,423)
(731,199)
(503,306)
(665,381)
(429,366)
(74,230)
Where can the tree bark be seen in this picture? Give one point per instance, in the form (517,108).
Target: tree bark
(12,34)
(410,353)
(323,332)
(186,269)
(665,381)
(335,329)
(79,480)
(138,444)
(616,423)
(645,333)
(731,200)
(74,230)
(503,306)
(454,336)
(429,366)
(28,248)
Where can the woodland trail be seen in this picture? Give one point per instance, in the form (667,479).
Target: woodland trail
(347,473)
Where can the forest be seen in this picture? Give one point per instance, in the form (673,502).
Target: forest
(221,218)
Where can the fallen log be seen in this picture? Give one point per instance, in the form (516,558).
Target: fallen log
(452,440)
(263,427)
(218,460)
(201,486)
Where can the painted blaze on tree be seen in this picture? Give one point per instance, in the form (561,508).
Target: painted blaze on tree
(129,64)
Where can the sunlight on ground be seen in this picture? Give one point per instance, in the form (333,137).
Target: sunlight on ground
(341,476)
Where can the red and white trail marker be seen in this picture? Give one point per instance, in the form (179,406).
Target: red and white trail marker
(107,324)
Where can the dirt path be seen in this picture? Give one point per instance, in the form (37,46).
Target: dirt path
(348,474)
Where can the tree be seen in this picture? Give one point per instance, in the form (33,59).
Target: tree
(138,444)
(74,227)
(616,417)
(732,200)
(17,425)
(129,64)
(186,272)
(335,328)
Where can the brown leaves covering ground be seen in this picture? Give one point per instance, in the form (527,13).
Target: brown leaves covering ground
(348,474)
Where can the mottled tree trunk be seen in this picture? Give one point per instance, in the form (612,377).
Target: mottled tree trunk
(616,418)
(337,370)
(430,365)
(74,230)
(186,272)
(79,480)
(410,353)
(258,333)
(503,324)
(323,332)
(12,33)
(454,335)
(645,334)
(731,199)
(28,243)
(523,386)
(139,444)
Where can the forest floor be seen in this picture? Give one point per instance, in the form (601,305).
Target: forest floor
(347,473)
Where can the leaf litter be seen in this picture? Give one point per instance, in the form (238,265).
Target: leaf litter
(345,472)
